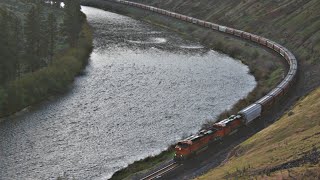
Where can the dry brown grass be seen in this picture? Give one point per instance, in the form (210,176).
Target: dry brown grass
(289,139)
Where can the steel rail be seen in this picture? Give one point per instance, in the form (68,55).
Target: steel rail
(161,171)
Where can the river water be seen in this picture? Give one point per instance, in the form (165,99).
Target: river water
(144,89)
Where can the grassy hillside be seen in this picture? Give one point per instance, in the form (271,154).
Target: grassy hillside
(289,147)
(293,23)
(262,64)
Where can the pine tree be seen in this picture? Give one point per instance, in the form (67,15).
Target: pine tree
(57,3)
(8,47)
(44,40)
(3,47)
(33,39)
(72,20)
(52,34)
(18,45)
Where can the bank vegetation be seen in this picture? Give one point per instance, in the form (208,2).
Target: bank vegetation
(43,47)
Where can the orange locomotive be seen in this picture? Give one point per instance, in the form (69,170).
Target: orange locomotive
(201,141)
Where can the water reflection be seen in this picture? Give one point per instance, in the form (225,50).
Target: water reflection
(144,89)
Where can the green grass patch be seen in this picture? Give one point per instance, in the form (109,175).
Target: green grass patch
(275,76)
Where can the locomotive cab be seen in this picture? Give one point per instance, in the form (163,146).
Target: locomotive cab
(181,151)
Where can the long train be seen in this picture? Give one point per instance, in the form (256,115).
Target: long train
(200,141)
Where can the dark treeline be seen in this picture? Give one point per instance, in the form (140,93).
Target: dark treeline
(32,45)
(10,47)
(26,47)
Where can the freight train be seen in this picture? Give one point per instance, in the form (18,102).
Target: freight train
(200,141)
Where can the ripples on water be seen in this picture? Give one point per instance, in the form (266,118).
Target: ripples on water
(144,89)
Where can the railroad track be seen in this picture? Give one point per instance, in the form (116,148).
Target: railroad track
(255,110)
(159,173)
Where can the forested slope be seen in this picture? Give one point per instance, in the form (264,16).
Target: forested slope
(43,46)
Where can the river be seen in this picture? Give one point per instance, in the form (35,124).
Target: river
(144,88)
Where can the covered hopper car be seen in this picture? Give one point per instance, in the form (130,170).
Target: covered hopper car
(200,141)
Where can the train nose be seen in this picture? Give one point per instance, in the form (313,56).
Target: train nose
(178,157)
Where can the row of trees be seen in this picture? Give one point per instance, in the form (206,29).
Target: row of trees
(40,56)
(40,36)
(30,45)
(9,46)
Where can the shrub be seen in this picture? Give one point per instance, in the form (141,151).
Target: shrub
(3,97)
(235,52)
(255,54)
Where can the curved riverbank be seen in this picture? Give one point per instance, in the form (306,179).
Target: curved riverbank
(49,81)
(267,79)
(268,68)
(144,88)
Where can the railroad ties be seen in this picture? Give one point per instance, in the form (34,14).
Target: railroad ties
(159,173)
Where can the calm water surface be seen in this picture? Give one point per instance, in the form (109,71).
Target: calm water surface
(144,89)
